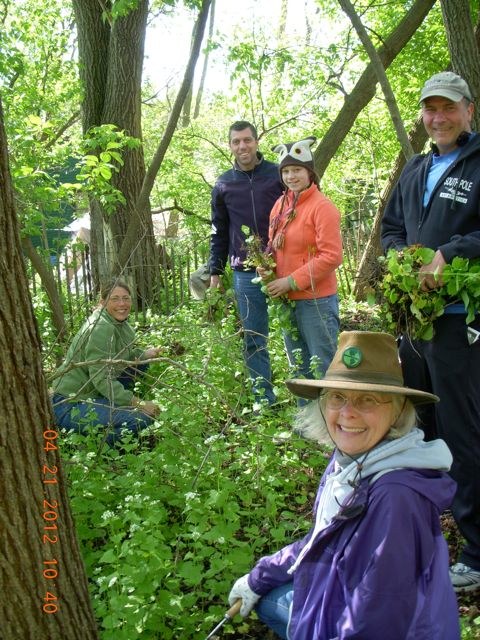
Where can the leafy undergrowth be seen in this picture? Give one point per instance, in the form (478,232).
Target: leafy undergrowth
(167,524)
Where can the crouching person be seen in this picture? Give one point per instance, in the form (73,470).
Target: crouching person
(89,391)
(374,564)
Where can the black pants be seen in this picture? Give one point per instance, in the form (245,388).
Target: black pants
(449,367)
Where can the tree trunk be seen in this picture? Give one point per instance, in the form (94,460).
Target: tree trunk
(123,108)
(49,284)
(364,90)
(201,85)
(111,60)
(187,109)
(42,577)
(93,33)
(368,269)
(143,199)
(282,24)
(462,45)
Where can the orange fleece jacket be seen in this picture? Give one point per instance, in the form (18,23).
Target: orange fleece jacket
(312,248)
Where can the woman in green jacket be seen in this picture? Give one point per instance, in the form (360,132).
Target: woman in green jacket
(91,388)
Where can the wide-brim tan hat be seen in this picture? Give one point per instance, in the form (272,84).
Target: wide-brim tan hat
(364,361)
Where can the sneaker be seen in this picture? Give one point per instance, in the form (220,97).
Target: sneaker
(464,578)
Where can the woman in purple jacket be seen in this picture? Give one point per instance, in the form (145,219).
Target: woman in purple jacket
(374,564)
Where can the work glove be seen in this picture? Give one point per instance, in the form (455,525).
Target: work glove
(241,590)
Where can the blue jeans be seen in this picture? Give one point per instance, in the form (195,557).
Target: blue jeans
(253,310)
(315,326)
(79,416)
(274,609)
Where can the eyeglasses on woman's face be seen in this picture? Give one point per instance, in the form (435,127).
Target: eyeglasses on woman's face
(362,402)
(116,299)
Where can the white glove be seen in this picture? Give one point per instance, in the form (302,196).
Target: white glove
(241,590)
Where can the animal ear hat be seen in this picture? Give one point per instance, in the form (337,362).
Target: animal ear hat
(296,153)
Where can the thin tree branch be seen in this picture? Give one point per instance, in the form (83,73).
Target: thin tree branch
(402,135)
(71,121)
(364,89)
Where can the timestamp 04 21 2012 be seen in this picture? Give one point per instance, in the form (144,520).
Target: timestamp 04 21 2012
(50,535)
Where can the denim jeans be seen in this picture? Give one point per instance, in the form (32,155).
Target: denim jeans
(315,326)
(79,416)
(273,609)
(253,310)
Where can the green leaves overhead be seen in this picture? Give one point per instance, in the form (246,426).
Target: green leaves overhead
(97,169)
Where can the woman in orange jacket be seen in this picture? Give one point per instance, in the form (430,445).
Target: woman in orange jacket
(306,244)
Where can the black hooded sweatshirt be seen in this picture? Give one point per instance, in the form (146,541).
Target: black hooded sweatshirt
(451,220)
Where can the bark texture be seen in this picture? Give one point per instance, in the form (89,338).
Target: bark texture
(111,62)
(35,572)
(463,46)
(142,203)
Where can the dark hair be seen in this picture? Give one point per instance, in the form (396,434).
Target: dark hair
(109,286)
(314,178)
(240,125)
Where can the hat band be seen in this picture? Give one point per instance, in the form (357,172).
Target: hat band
(367,378)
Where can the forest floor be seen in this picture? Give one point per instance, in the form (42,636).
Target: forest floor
(469,605)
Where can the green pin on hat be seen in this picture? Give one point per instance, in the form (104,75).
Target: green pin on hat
(364,361)
(352,357)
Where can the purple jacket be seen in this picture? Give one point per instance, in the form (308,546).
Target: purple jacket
(379,571)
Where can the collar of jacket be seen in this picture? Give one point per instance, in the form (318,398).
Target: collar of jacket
(472,146)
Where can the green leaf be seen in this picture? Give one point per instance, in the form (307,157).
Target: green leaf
(109,557)
(105,172)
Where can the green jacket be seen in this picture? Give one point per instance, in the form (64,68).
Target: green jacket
(100,338)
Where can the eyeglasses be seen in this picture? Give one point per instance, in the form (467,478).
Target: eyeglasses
(120,299)
(364,402)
